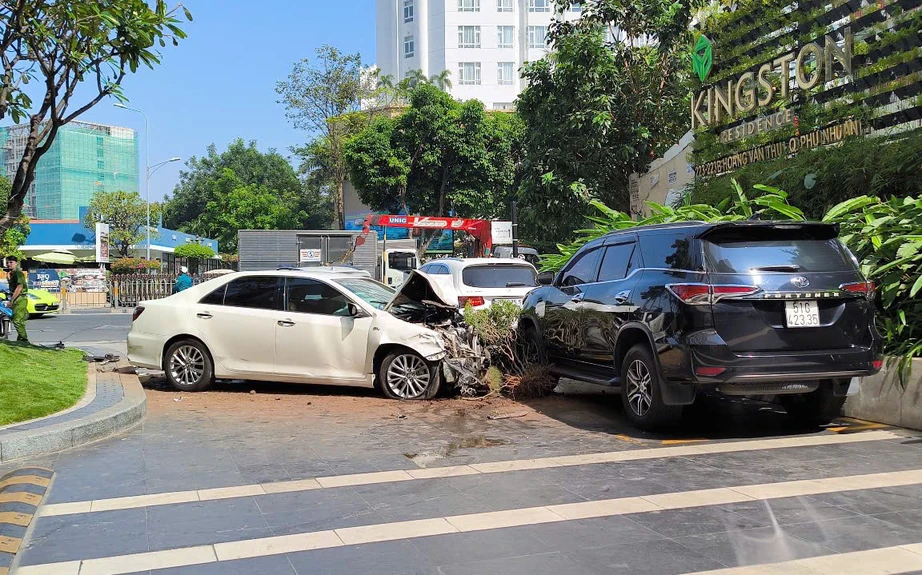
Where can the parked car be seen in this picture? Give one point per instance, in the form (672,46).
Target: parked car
(479,282)
(528,254)
(40,302)
(745,308)
(312,325)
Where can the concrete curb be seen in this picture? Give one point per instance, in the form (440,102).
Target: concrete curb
(21,493)
(65,435)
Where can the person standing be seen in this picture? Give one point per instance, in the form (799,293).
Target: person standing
(183,281)
(18,290)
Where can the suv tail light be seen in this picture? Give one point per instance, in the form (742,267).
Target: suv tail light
(475,301)
(705,293)
(137,313)
(866,288)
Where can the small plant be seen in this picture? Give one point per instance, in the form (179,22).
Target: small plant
(134,265)
(496,328)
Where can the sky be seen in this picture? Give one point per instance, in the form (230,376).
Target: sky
(219,83)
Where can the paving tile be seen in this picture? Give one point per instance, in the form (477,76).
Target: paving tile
(490,544)
(513,490)
(788,510)
(93,535)
(910,519)
(753,546)
(298,512)
(665,557)
(273,565)
(389,558)
(543,564)
(590,533)
(306,469)
(419,499)
(695,521)
(263,473)
(872,501)
(857,533)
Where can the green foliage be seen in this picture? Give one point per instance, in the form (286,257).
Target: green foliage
(126,214)
(37,381)
(495,327)
(133,265)
(886,236)
(14,236)
(195,206)
(437,155)
(820,178)
(596,110)
(194,250)
(772,203)
(55,46)
(316,96)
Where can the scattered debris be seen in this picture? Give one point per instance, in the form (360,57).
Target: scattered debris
(535,382)
(507,415)
(177,399)
(252,392)
(401,416)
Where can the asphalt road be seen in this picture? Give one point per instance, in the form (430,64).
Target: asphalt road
(101,330)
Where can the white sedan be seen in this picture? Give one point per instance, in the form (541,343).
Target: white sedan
(479,282)
(318,325)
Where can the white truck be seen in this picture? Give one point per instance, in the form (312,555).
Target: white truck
(396,265)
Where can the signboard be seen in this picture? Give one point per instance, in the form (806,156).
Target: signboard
(46,279)
(824,136)
(309,256)
(84,279)
(501,232)
(444,243)
(102,243)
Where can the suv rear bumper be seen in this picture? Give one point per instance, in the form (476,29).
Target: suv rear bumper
(767,370)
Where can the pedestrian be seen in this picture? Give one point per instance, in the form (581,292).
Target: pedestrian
(18,300)
(183,281)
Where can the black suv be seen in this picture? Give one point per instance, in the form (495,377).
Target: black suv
(743,308)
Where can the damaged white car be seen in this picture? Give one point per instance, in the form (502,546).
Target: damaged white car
(316,325)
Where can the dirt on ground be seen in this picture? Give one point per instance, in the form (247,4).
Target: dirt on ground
(295,401)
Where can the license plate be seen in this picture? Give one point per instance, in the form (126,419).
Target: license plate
(801,313)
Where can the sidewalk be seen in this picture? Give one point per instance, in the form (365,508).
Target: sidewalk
(115,401)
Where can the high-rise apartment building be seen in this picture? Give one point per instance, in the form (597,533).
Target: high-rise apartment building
(83,159)
(483,43)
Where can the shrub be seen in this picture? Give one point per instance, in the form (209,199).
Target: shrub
(134,265)
(194,250)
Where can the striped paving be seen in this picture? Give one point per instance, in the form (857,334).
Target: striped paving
(21,493)
(353,480)
(494,520)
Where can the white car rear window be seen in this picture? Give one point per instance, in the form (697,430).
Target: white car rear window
(499,276)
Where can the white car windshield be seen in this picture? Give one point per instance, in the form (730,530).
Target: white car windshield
(376,294)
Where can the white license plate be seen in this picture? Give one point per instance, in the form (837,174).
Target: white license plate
(801,313)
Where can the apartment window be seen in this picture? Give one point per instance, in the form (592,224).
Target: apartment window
(407,11)
(539,5)
(409,46)
(468,36)
(504,5)
(469,73)
(505,36)
(537,37)
(504,73)
(468,5)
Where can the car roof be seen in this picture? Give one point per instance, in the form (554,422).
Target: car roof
(467,262)
(324,272)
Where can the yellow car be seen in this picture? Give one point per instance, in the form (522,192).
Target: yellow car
(41,302)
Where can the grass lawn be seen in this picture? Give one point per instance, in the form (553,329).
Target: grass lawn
(36,381)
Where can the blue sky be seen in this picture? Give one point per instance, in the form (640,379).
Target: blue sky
(219,84)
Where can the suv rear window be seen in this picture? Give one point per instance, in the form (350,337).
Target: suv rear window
(779,255)
(499,276)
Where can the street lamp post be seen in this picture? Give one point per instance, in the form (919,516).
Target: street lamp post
(148,169)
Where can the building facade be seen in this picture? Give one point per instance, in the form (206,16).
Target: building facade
(482,43)
(84,159)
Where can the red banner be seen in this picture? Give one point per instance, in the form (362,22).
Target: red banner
(477,228)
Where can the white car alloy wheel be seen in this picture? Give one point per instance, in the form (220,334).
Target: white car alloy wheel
(187,365)
(407,376)
(639,388)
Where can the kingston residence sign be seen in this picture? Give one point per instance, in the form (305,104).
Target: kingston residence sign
(812,64)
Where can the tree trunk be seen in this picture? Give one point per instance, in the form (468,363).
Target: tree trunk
(340,209)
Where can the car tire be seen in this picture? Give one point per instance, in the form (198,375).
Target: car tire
(404,374)
(641,393)
(813,409)
(532,348)
(188,366)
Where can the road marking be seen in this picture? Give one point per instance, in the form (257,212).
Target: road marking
(13,518)
(121,564)
(25,480)
(9,544)
(898,559)
(681,441)
(857,425)
(156,499)
(21,497)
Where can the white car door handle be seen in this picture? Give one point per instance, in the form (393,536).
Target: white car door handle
(204,315)
(285,322)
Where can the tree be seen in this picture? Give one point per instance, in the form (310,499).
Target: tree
(439,156)
(126,214)
(315,96)
(235,205)
(15,236)
(186,209)
(194,250)
(610,98)
(61,45)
